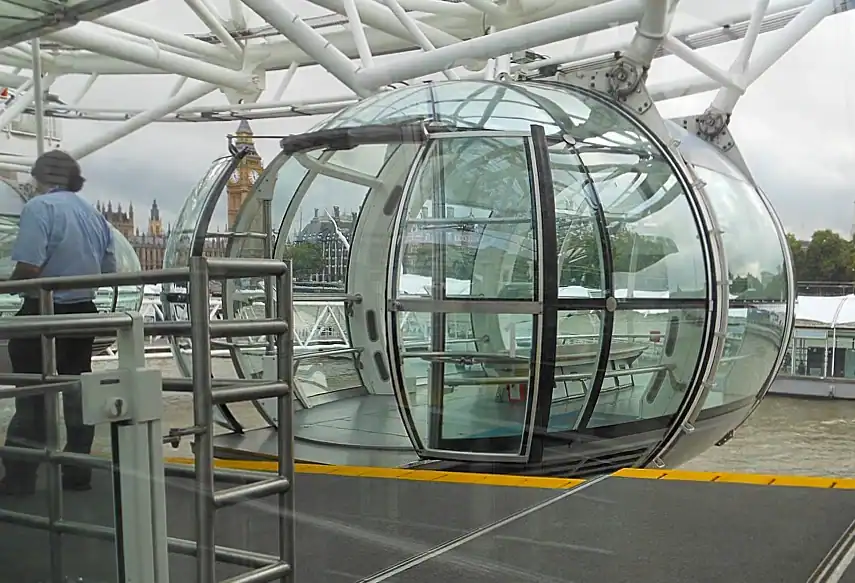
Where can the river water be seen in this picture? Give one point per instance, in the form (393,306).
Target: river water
(784,436)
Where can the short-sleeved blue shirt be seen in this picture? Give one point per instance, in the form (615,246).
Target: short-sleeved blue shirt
(65,235)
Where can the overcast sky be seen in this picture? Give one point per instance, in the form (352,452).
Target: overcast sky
(795,126)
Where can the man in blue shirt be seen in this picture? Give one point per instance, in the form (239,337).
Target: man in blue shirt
(60,234)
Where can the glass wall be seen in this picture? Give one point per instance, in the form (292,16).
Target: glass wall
(757,283)
(626,229)
(472,238)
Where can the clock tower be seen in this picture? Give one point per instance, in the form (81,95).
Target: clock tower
(245,175)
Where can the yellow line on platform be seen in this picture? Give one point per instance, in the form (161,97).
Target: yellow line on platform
(530,481)
(395,474)
(732,478)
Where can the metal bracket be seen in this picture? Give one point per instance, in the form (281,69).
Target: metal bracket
(252,92)
(121,395)
(727,437)
(711,126)
(622,80)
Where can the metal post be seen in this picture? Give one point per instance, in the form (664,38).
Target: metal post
(202,417)
(269,294)
(51,412)
(135,408)
(38,96)
(284,408)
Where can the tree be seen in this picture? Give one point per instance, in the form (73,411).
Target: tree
(828,257)
(307,259)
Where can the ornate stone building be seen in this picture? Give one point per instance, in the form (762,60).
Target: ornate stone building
(150,244)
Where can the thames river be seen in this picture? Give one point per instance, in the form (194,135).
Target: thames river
(786,436)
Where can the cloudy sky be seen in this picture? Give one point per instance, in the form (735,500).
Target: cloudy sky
(795,126)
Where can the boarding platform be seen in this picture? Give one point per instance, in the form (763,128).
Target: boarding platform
(372,525)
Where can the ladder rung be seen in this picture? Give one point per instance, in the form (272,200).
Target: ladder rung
(253,491)
(242,393)
(225,328)
(262,574)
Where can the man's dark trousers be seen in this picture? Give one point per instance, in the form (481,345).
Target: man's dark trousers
(27,427)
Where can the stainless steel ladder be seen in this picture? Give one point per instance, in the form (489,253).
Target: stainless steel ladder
(206,397)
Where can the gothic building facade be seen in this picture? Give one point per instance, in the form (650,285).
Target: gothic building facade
(150,243)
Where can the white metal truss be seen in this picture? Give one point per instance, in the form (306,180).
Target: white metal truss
(353,42)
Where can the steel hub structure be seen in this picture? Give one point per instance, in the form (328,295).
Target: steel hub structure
(544,274)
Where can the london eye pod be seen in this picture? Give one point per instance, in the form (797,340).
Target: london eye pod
(544,274)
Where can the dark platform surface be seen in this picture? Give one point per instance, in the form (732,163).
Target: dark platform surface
(353,529)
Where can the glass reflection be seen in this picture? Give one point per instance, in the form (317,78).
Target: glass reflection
(315,185)
(580,335)
(758,288)
(129,297)
(461,104)
(653,232)
(651,364)
(180,242)
(476,228)
(472,396)
(581,267)
(179,247)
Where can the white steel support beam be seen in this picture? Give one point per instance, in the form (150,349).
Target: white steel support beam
(788,37)
(18,106)
(238,16)
(376,16)
(684,87)
(38,96)
(702,64)
(725,100)
(310,41)
(144,118)
(165,37)
(652,29)
(487,7)
(90,81)
(740,63)
(356,28)
(213,22)
(441,7)
(286,80)
(542,32)
(98,42)
(415,31)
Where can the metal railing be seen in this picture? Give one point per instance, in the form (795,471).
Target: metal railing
(134,398)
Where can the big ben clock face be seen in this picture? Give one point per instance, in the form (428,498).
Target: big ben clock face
(236,176)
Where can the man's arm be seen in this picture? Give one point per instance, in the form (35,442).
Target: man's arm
(30,249)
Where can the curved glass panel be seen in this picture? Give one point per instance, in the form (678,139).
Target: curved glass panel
(180,242)
(179,247)
(483,225)
(758,288)
(468,238)
(656,254)
(129,298)
(316,225)
(654,235)
(581,267)
(11,204)
(462,104)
